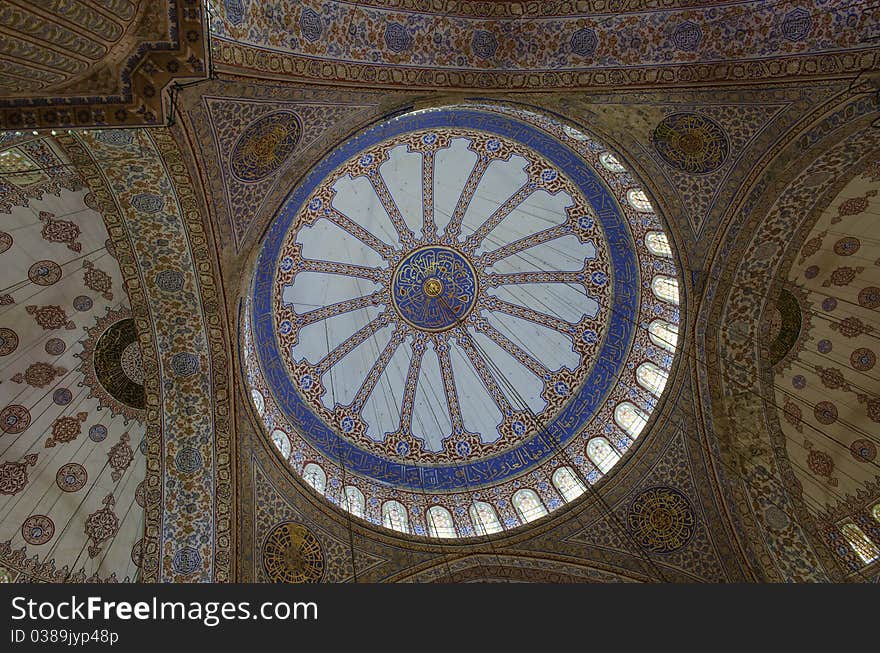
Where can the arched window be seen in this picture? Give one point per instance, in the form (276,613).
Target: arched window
(282,442)
(630,418)
(354,501)
(394,516)
(639,200)
(652,378)
(864,547)
(875,513)
(602,454)
(568,484)
(610,162)
(440,522)
(665,288)
(663,334)
(658,243)
(484,518)
(528,505)
(259,403)
(315,476)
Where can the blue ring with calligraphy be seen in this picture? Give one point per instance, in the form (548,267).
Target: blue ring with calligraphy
(583,402)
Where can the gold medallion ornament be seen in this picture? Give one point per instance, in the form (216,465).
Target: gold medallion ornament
(662,520)
(291,554)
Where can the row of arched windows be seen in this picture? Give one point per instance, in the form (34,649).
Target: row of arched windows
(526,502)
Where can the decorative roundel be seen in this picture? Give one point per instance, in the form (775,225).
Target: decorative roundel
(8,341)
(98,433)
(37,529)
(661,519)
(14,419)
(112,366)
(870,297)
(292,554)
(825,412)
(847,246)
(55,346)
(140,494)
(863,450)
(83,303)
(5,241)
(44,273)
(452,297)
(137,552)
(71,477)
(264,145)
(62,396)
(863,359)
(691,142)
(434,288)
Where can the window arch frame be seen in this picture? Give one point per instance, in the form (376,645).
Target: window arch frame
(578,484)
(521,513)
(309,466)
(386,506)
(613,454)
(480,527)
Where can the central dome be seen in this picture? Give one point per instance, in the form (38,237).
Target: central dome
(443,312)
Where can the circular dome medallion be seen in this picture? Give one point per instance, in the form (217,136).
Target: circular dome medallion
(691,142)
(264,145)
(434,288)
(449,298)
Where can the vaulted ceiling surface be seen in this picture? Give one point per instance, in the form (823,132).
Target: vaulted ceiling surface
(95,62)
(521,45)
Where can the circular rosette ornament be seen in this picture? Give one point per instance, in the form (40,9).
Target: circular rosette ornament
(112,367)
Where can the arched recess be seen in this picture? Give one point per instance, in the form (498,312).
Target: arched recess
(771,434)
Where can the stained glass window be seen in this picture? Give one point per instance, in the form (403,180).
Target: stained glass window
(610,162)
(440,522)
(665,288)
(860,543)
(600,451)
(652,378)
(663,334)
(315,476)
(18,168)
(639,200)
(630,418)
(484,518)
(354,501)
(282,442)
(259,403)
(568,484)
(528,505)
(658,243)
(394,516)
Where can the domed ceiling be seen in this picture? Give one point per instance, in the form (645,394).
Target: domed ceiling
(72,404)
(460,318)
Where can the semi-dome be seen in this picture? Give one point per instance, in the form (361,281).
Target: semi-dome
(461,318)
